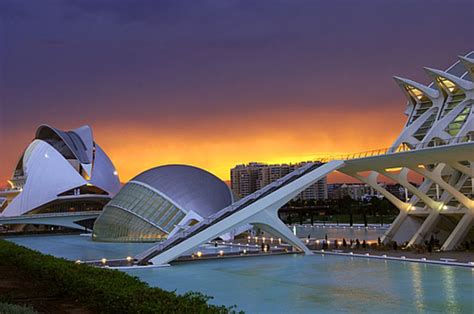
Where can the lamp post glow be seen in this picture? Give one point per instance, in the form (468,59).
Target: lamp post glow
(103,261)
(199,254)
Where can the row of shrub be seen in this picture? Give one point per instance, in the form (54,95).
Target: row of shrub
(102,290)
(7,308)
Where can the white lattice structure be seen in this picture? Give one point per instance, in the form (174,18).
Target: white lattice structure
(437,143)
(440,114)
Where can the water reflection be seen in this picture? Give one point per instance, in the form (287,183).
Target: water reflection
(417,286)
(449,288)
(296,283)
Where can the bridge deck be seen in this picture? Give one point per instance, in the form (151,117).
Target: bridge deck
(226,212)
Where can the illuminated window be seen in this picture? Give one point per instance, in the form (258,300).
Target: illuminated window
(455,126)
(421,132)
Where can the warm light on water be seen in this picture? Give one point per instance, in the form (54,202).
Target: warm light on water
(291,283)
(328,284)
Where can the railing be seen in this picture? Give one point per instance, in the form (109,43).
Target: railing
(49,215)
(402,148)
(11,190)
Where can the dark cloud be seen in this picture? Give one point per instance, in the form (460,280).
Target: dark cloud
(12,9)
(127,11)
(69,62)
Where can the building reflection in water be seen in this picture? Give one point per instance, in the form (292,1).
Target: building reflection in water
(449,287)
(417,280)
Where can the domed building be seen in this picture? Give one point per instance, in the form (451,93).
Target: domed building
(161,201)
(61,171)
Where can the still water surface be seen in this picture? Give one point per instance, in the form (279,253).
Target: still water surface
(292,283)
(321,284)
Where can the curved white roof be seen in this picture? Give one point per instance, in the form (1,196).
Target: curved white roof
(59,161)
(79,146)
(189,187)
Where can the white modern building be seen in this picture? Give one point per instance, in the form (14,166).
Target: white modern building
(437,143)
(189,206)
(160,202)
(60,171)
(440,114)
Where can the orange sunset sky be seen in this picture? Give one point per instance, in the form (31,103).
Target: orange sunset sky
(218,83)
(218,145)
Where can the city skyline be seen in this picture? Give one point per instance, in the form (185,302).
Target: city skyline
(218,84)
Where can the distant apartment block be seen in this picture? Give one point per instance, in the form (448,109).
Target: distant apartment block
(361,192)
(246,179)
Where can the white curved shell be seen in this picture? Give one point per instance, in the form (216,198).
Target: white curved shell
(189,187)
(104,174)
(50,169)
(159,202)
(49,174)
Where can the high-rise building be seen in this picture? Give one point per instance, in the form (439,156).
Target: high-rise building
(362,191)
(246,179)
(356,191)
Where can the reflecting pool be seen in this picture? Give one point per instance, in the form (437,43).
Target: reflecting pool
(305,284)
(292,283)
(74,247)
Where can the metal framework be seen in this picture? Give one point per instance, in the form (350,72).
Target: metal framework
(436,143)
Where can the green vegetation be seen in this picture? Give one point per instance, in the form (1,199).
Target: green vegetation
(102,290)
(345,210)
(6,308)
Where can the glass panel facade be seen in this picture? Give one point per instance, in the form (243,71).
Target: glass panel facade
(420,109)
(452,102)
(421,132)
(137,213)
(117,225)
(455,126)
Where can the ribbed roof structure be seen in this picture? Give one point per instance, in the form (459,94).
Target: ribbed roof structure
(189,187)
